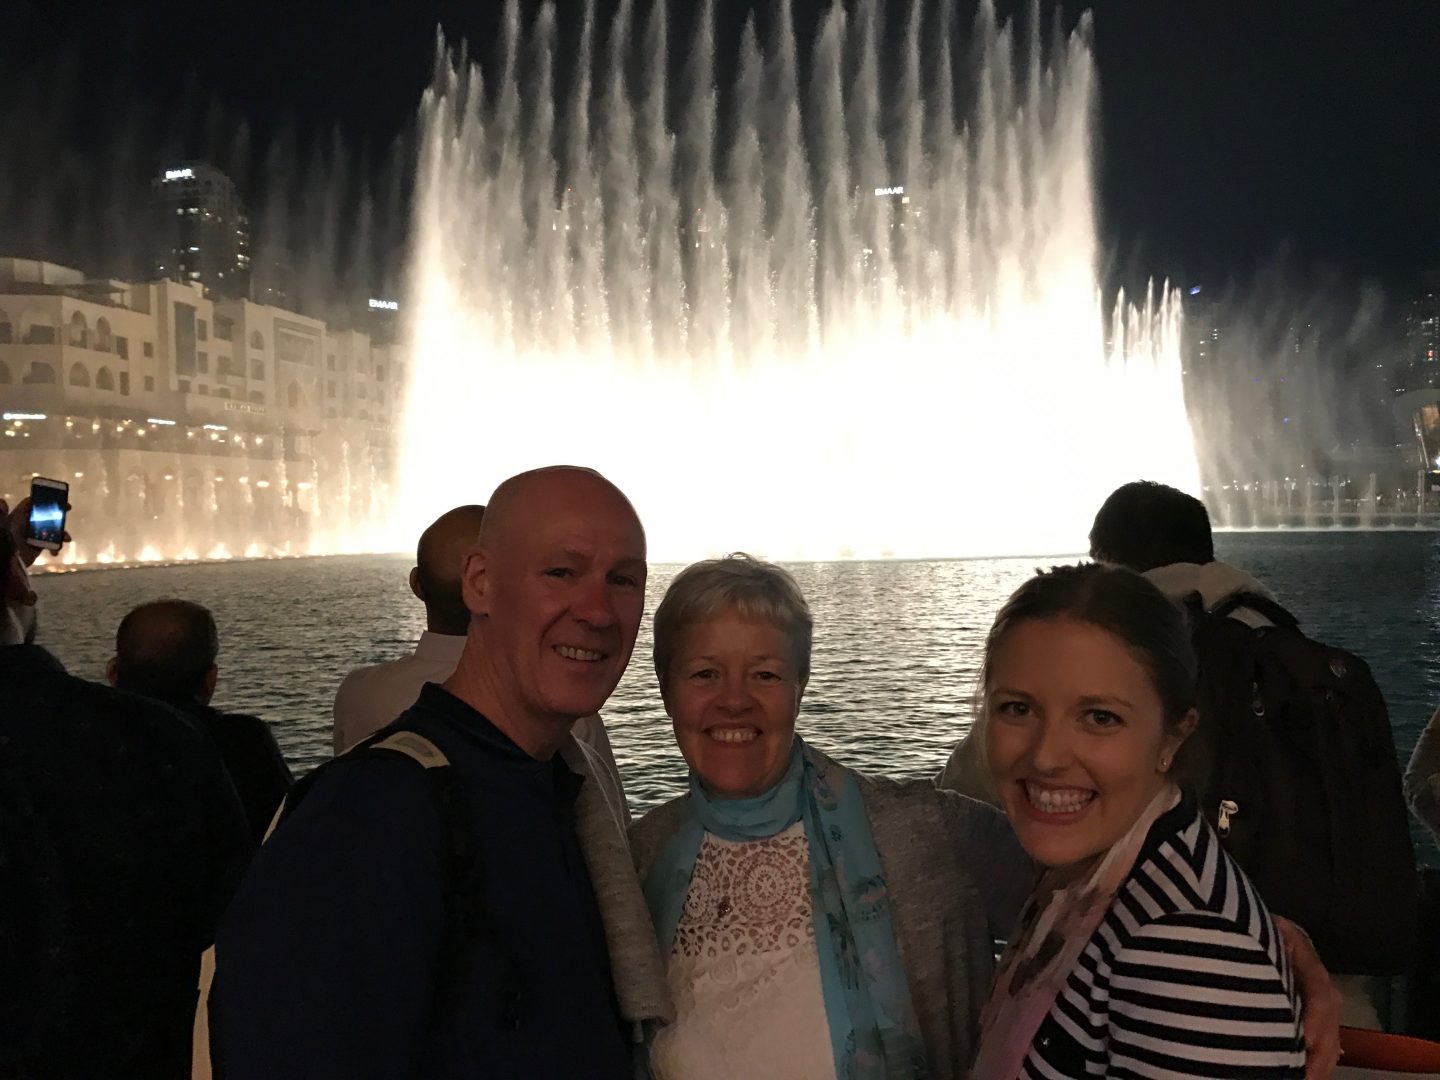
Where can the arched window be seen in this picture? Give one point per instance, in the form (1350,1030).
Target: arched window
(78,375)
(294,396)
(79,331)
(364,415)
(37,330)
(39,373)
(257,397)
(256,341)
(104,380)
(4,372)
(104,340)
(257,369)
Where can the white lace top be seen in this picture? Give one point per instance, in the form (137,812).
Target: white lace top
(744,972)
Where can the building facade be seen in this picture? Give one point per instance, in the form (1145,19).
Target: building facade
(190,425)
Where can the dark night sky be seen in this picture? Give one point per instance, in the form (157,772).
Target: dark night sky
(1232,130)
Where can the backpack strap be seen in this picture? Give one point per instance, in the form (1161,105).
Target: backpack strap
(414,746)
(410,743)
(468,920)
(1261,605)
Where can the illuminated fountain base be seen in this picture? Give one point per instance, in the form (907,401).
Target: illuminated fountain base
(134,506)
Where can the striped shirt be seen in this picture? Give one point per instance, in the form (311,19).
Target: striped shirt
(1184,977)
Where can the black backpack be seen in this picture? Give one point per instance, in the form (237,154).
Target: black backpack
(468,923)
(1299,776)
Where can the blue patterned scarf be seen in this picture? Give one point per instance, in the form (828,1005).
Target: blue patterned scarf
(873,1030)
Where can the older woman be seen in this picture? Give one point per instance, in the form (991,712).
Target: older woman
(1145,950)
(817,923)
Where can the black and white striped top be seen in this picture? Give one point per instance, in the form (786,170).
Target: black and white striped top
(1185,977)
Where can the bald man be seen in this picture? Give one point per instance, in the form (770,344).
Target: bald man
(369,698)
(479,919)
(168,650)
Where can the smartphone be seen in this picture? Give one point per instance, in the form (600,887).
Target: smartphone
(48,499)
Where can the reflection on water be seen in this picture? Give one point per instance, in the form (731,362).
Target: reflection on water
(897,645)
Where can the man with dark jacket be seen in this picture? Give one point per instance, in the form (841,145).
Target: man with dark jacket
(488,924)
(121,841)
(167,650)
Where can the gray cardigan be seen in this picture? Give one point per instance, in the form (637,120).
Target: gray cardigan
(601,820)
(957,879)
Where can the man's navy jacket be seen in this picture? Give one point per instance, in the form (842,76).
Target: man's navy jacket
(329,962)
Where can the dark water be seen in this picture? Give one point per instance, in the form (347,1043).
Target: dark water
(897,644)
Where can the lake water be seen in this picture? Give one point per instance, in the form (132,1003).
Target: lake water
(897,644)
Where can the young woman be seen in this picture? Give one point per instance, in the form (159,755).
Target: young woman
(1145,951)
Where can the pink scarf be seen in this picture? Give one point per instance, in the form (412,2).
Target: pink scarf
(1059,921)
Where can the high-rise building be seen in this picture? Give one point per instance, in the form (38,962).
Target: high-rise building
(1417,382)
(200,232)
(1422,333)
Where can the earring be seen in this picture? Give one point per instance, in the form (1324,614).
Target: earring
(1164,764)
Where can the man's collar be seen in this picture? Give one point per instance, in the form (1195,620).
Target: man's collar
(439,647)
(477,728)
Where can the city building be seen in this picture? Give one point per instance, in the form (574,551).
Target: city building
(199,230)
(1422,324)
(1417,380)
(185,421)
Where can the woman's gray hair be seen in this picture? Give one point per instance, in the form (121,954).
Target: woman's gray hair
(752,587)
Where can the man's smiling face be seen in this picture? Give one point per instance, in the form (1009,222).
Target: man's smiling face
(563,594)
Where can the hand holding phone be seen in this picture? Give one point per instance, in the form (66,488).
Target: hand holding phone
(45,524)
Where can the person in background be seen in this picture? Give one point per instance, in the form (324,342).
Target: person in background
(370,698)
(1145,951)
(121,841)
(816,922)
(167,650)
(480,917)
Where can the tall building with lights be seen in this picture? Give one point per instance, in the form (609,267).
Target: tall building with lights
(199,230)
(1422,329)
(1417,382)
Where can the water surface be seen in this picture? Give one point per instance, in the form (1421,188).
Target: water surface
(897,644)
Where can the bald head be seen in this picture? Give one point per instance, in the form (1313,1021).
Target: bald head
(556,590)
(166,649)
(521,500)
(439,559)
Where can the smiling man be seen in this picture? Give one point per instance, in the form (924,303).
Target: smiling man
(477,916)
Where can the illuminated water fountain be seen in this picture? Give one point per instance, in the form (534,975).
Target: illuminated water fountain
(841,318)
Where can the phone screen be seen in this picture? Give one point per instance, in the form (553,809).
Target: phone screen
(47,512)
